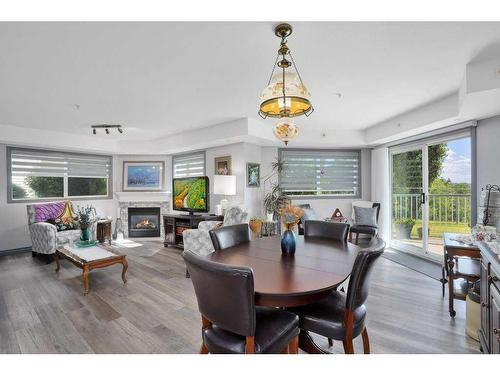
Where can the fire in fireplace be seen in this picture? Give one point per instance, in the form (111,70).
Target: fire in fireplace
(143,221)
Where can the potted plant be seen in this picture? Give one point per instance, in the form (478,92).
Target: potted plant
(86,217)
(273,201)
(290,216)
(255,225)
(404,227)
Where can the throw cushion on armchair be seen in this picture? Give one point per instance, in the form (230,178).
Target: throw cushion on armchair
(365,216)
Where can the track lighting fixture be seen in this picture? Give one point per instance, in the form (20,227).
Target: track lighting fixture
(106,128)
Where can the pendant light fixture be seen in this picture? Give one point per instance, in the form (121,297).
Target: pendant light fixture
(285,96)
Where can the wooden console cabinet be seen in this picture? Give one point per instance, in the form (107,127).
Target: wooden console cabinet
(489,335)
(174,225)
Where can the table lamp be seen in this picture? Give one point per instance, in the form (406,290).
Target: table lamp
(224,185)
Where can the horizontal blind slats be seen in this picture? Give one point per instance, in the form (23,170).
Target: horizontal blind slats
(320,172)
(189,165)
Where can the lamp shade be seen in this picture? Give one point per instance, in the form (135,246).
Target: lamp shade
(224,185)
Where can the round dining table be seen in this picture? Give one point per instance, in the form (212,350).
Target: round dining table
(318,267)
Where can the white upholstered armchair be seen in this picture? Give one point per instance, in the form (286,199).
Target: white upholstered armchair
(198,240)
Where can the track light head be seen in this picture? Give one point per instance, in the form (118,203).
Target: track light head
(106,130)
(94,131)
(120,130)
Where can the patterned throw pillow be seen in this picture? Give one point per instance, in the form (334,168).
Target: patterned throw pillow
(365,216)
(67,220)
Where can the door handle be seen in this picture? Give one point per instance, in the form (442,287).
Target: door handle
(423,198)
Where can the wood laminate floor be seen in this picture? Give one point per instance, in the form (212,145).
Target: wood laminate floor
(156,311)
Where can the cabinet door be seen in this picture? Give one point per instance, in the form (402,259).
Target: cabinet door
(485,298)
(495,320)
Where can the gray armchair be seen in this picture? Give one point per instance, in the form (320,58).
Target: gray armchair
(44,236)
(198,240)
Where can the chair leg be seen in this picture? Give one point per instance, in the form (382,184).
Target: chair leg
(330,342)
(203,349)
(366,341)
(33,254)
(293,346)
(357,238)
(348,347)
(350,236)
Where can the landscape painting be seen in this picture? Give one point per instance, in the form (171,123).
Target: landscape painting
(143,176)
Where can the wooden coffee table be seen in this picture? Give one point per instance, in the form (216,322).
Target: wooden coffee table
(87,259)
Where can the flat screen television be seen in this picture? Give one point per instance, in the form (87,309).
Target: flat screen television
(191,194)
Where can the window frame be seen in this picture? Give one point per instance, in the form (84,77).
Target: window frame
(188,154)
(325,196)
(10,200)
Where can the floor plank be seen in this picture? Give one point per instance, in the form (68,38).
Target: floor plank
(156,311)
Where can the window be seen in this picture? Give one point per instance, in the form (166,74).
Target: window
(39,174)
(189,165)
(327,173)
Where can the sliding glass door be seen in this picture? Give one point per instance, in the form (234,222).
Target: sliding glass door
(431,193)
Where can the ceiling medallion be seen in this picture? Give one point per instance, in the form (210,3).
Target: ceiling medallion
(106,128)
(285,96)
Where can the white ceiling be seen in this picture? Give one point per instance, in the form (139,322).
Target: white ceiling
(159,79)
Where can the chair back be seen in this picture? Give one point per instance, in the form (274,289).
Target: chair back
(359,283)
(325,229)
(377,205)
(225,294)
(230,236)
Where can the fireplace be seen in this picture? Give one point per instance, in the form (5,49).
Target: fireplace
(144,222)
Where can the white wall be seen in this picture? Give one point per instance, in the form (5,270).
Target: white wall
(325,207)
(487,152)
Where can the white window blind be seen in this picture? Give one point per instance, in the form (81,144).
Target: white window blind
(38,174)
(189,165)
(321,173)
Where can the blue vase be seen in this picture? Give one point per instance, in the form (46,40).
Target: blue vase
(85,235)
(288,242)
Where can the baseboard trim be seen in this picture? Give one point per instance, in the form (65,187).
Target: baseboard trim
(15,251)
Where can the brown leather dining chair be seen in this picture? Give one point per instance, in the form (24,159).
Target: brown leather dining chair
(341,316)
(231,323)
(326,230)
(229,236)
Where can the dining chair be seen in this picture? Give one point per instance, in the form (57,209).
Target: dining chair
(231,323)
(325,229)
(371,229)
(230,236)
(341,316)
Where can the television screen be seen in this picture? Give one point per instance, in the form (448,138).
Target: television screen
(191,194)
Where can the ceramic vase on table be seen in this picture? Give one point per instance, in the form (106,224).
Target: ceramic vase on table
(85,234)
(288,240)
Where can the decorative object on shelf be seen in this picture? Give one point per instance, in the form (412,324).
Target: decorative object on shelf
(253,174)
(285,95)
(255,225)
(143,175)
(224,185)
(490,204)
(285,130)
(106,128)
(86,216)
(483,233)
(290,217)
(338,217)
(223,165)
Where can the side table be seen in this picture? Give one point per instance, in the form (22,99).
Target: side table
(104,231)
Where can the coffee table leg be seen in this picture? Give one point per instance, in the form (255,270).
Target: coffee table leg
(85,276)
(124,271)
(56,258)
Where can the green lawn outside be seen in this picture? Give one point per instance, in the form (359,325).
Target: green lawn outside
(437,228)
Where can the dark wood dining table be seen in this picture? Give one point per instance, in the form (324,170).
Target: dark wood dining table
(318,267)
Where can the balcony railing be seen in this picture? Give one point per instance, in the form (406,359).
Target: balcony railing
(443,208)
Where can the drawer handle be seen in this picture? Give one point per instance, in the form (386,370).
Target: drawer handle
(495,331)
(484,304)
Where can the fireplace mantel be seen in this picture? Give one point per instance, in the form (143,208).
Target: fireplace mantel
(142,196)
